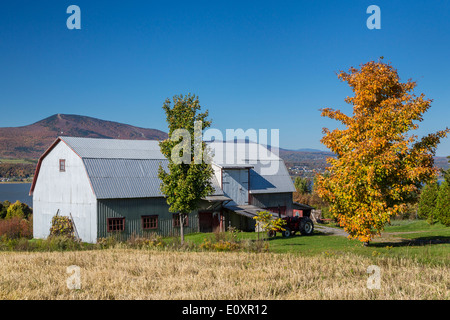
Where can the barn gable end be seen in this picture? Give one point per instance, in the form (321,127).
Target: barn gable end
(62,185)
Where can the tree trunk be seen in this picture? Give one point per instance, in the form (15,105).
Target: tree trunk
(182,218)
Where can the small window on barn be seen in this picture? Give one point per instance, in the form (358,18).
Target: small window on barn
(176,221)
(116,224)
(149,222)
(62,165)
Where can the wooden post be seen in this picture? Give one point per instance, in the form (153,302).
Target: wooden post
(220,221)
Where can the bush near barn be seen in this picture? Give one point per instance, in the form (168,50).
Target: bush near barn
(16,220)
(62,226)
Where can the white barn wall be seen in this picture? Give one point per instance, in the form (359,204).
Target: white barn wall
(68,191)
(217,172)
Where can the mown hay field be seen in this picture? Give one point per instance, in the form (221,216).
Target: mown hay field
(156,274)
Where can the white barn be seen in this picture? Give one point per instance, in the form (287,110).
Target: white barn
(111,186)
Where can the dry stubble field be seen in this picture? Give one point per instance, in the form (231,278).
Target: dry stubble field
(142,274)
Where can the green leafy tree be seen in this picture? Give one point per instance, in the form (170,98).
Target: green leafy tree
(303,185)
(4,208)
(267,223)
(3,211)
(427,202)
(446,173)
(442,211)
(18,209)
(188,178)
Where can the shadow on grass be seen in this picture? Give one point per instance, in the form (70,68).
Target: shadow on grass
(413,242)
(289,239)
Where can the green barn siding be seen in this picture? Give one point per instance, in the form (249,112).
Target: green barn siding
(133,209)
(267,200)
(239,222)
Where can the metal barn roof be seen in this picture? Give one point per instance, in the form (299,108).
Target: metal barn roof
(130,178)
(129,168)
(268,173)
(114,148)
(268,182)
(124,178)
(124,168)
(228,154)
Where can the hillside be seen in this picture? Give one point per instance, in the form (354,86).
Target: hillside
(304,162)
(32,140)
(29,142)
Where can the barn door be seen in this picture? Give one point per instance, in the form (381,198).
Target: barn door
(208,221)
(235,185)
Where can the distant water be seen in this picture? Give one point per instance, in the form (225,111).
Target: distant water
(16,191)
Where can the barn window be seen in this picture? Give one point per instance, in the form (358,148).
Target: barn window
(149,222)
(116,224)
(62,165)
(176,221)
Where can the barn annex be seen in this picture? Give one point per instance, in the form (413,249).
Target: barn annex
(111,186)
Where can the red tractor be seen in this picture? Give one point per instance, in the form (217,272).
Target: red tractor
(304,225)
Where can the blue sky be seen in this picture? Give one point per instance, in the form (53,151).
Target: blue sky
(253,64)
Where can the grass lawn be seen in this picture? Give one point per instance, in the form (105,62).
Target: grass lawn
(418,226)
(402,239)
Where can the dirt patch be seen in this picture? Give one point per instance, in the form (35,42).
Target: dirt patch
(331,231)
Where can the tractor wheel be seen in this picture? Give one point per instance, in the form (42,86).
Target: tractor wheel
(306,226)
(271,233)
(287,233)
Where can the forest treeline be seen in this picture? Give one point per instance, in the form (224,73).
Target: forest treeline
(17,170)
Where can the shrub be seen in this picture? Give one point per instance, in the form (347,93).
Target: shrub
(410,211)
(221,245)
(62,226)
(152,240)
(62,243)
(105,243)
(4,208)
(18,209)
(3,211)
(303,185)
(22,244)
(16,227)
(427,202)
(442,210)
(310,199)
(257,246)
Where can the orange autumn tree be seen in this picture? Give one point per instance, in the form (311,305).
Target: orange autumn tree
(380,165)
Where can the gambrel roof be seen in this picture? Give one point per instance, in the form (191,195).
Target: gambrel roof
(129,168)
(119,169)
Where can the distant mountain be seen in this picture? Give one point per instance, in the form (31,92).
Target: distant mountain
(31,141)
(308,150)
